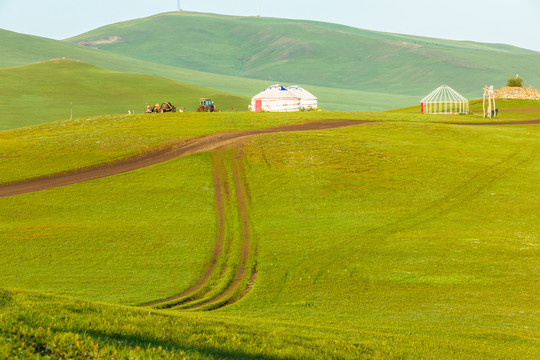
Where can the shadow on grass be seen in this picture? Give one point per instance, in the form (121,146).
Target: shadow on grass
(132,341)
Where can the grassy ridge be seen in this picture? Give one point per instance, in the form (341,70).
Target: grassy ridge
(24,49)
(34,324)
(45,92)
(67,145)
(315,53)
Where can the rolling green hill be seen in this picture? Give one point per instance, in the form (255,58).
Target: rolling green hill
(48,91)
(24,49)
(401,238)
(314,53)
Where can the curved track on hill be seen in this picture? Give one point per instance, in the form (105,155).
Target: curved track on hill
(232,268)
(221,192)
(184,148)
(231,271)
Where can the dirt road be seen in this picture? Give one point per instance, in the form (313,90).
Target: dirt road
(149,158)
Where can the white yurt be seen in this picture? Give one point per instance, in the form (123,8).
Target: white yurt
(444,100)
(275,98)
(308,101)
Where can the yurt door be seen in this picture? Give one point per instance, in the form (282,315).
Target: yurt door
(258,105)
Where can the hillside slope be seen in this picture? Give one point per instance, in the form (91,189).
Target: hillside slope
(47,91)
(20,49)
(391,239)
(301,51)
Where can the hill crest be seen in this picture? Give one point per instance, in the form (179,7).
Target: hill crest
(313,53)
(59,88)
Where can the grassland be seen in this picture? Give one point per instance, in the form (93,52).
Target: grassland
(22,50)
(61,146)
(35,326)
(315,53)
(357,80)
(403,238)
(67,145)
(128,229)
(43,92)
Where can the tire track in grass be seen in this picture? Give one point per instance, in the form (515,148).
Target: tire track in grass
(244,272)
(459,196)
(157,156)
(220,190)
(201,296)
(221,280)
(243,208)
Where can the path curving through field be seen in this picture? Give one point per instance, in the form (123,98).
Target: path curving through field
(153,157)
(245,271)
(201,295)
(220,190)
(214,289)
(180,149)
(231,272)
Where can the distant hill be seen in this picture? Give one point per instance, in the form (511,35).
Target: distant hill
(315,53)
(20,49)
(46,91)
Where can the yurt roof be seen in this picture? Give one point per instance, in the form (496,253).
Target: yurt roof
(276,92)
(302,93)
(443,93)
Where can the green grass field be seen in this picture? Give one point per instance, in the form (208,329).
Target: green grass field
(407,237)
(67,145)
(116,237)
(404,238)
(43,92)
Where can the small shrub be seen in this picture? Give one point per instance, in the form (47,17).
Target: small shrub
(514,81)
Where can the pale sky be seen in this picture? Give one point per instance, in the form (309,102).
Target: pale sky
(514,22)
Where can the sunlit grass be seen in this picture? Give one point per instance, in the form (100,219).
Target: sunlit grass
(400,238)
(113,239)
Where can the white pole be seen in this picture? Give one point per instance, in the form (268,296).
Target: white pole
(259,8)
(489,106)
(484,102)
